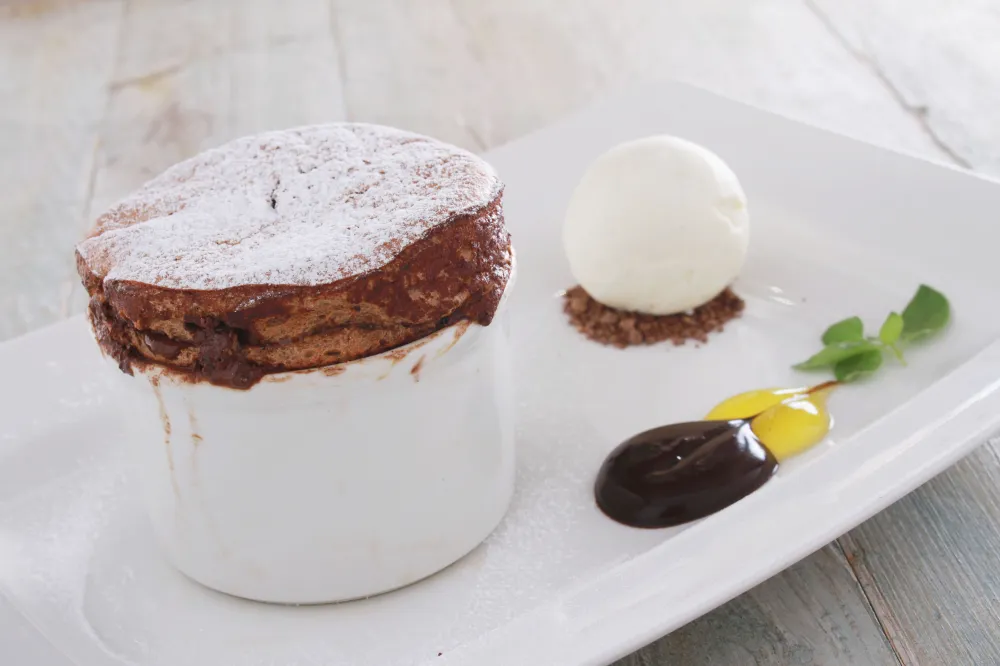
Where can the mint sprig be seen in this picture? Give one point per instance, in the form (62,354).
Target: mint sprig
(851,355)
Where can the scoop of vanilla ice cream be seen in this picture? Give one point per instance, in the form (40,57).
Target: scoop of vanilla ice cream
(657,225)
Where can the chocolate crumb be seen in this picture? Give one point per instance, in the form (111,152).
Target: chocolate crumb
(621,328)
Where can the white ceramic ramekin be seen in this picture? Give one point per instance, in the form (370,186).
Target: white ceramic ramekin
(335,483)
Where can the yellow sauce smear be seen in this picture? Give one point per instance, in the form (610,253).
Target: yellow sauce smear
(786,420)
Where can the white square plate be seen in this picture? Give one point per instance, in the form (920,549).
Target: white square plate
(838,228)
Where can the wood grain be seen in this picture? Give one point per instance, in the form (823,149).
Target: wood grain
(808,614)
(482,73)
(940,58)
(929,565)
(55,64)
(411,65)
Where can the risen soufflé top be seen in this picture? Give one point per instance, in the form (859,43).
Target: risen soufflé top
(296,249)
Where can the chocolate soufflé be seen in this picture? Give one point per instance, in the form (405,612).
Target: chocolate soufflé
(296,249)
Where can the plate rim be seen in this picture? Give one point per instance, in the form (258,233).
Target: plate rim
(967,420)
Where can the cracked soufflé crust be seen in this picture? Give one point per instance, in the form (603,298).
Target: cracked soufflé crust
(296,249)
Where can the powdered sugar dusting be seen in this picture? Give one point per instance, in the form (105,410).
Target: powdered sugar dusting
(306,206)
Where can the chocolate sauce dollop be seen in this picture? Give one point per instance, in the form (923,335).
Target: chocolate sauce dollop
(678,473)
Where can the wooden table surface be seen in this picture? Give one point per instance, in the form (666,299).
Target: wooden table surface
(96,96)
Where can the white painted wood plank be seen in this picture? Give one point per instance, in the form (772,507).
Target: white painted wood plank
(410,65)
(810,613)
(161,119)
(467,69)
(943,59)
(772,53)
(55,63)
(172,33)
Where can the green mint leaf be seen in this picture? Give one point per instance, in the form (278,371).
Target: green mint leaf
(891,329)
(833,354)
(844,331)
(926,313)
(858,366)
